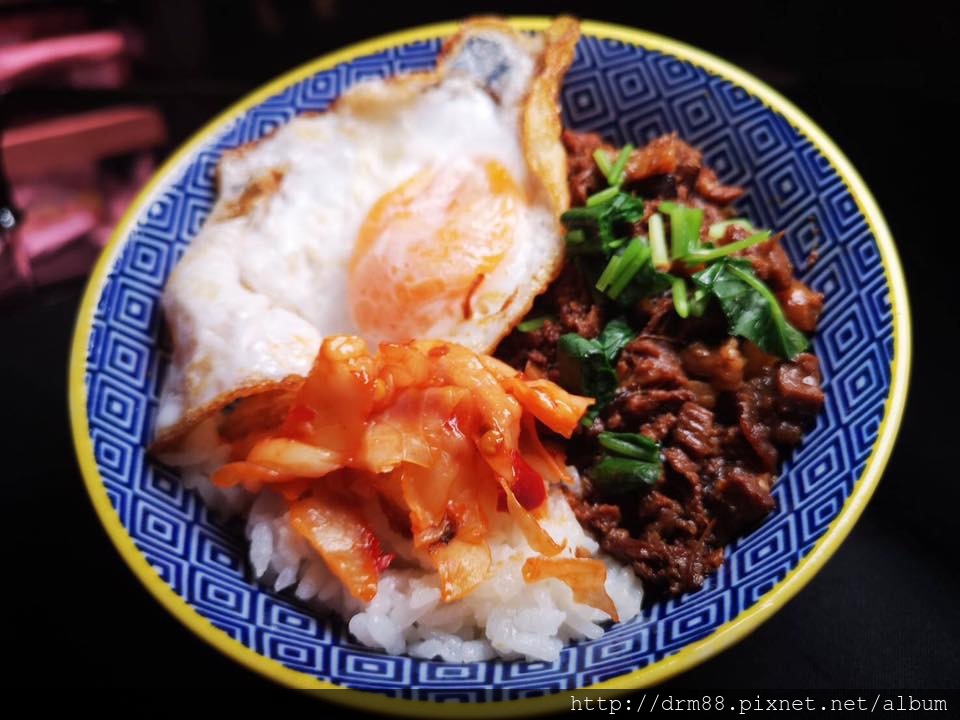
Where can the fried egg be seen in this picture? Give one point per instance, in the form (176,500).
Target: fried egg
(424,206)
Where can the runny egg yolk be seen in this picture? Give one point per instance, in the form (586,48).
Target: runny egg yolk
(425,247)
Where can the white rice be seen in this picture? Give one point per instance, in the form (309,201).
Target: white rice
(504,616)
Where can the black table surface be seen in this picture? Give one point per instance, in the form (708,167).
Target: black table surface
(881,614)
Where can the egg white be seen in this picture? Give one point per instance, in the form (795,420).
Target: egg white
(266,279)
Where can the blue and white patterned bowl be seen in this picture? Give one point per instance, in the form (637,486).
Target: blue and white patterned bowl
(630,86)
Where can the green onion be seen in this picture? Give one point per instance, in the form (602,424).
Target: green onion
(620,476)
(719,229)
(631,445)
(612,171)
(702,256)
(580,215)
(602,160)
(636,254)
(603,196)
(534,324)
(630,463)
(615,176)
(679,289)
(658,242)
(684,228)
(576,237)
(621,268)
(609,273)
(698,304)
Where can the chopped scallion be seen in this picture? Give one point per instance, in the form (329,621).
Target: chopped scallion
(634,257)
(576,237)
(602,160)
(580,215)
(702,256)
(621,268)
(608,274)
(615,176)
(679,290)
(630,445)
(684,228)
(534,324)
(658,242)
(603,196)
(618,476)
(698,303)
(630,463)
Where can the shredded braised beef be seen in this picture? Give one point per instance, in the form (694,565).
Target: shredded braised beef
(724,411)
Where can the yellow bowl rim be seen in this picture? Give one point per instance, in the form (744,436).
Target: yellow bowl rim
(727,634)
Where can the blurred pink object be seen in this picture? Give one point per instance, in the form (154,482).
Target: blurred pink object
(68,201)
(67,223)
(49,147)
(73,53)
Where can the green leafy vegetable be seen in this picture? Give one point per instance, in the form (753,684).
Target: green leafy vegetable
(684,228)
(630,462)
(587,366)
(585,370)
(751,308)
(696,257)
(605,225)
(615,336)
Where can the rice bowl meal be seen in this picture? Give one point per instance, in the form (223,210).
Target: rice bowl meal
(396,381)
(479,384)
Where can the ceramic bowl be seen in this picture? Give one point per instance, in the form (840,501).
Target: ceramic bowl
(628,85)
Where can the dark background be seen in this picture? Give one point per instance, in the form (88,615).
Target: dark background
(882,83)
